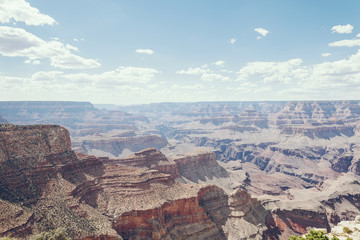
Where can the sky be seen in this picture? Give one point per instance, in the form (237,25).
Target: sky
(141,51)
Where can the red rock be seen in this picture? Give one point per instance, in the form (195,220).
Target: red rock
(98,198)
(294,222)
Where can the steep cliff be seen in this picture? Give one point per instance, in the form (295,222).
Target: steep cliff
(80,118)
(187,218)
(323,207)
(116,146)
(45,185)
(200,167)
(38,172)
(30,156)
(247,217)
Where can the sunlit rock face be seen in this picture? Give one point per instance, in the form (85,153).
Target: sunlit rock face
(285,151)
(275,169)
(45,185)
(99,132)
(116,146)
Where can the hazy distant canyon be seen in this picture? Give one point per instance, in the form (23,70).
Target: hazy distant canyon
(210,170)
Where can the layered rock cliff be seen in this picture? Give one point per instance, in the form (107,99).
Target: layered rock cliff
(200,167)
(94,131)
(80,118)
(321,207)
(274,151)
(116,146)
(30,156)
(45,185)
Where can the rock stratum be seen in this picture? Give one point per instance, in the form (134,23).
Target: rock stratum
(45,185)
(287,151)
(226,170)
(94,131)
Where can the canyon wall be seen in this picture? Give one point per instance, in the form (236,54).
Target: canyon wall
(46,185)
(271,155)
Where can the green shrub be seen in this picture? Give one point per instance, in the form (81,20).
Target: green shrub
(314,235)
(347,230)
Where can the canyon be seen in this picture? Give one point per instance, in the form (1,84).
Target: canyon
(45,185)
(218,170)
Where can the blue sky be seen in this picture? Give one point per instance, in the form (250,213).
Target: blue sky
(131,52)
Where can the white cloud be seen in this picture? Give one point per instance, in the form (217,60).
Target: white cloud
(232,40)
(21,11)
(338,69)
(313,81)
(206,74)
(106,86)
(121,75)
(45,76)
(346,43)
(34,62)
(249,87)
(75,40)
(358,35)
(226,71)
(262,31)
(271,71)
(145,51)
(71,61)
(219,63)
(193,71)
(16,42)
(188,87)
(342,29)
(71,47)
(214,77)
(326,54)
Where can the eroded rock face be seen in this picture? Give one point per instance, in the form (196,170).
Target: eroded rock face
(275,151)
(320,207)
(200,166)
(45,185)
(65,113)
(285,223)
(247,217)
(30,156)
(191,218)
(85,122)
(116,146)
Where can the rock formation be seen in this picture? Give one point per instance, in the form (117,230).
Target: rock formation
(80,118)
(116,146)
(284,166)
(284,149)
(45,185)
(346,229)
(99,132)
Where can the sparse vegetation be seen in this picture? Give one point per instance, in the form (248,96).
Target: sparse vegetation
(57,234)
(347,230)
(314,235)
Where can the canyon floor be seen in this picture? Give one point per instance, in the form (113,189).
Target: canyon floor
(219,170)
